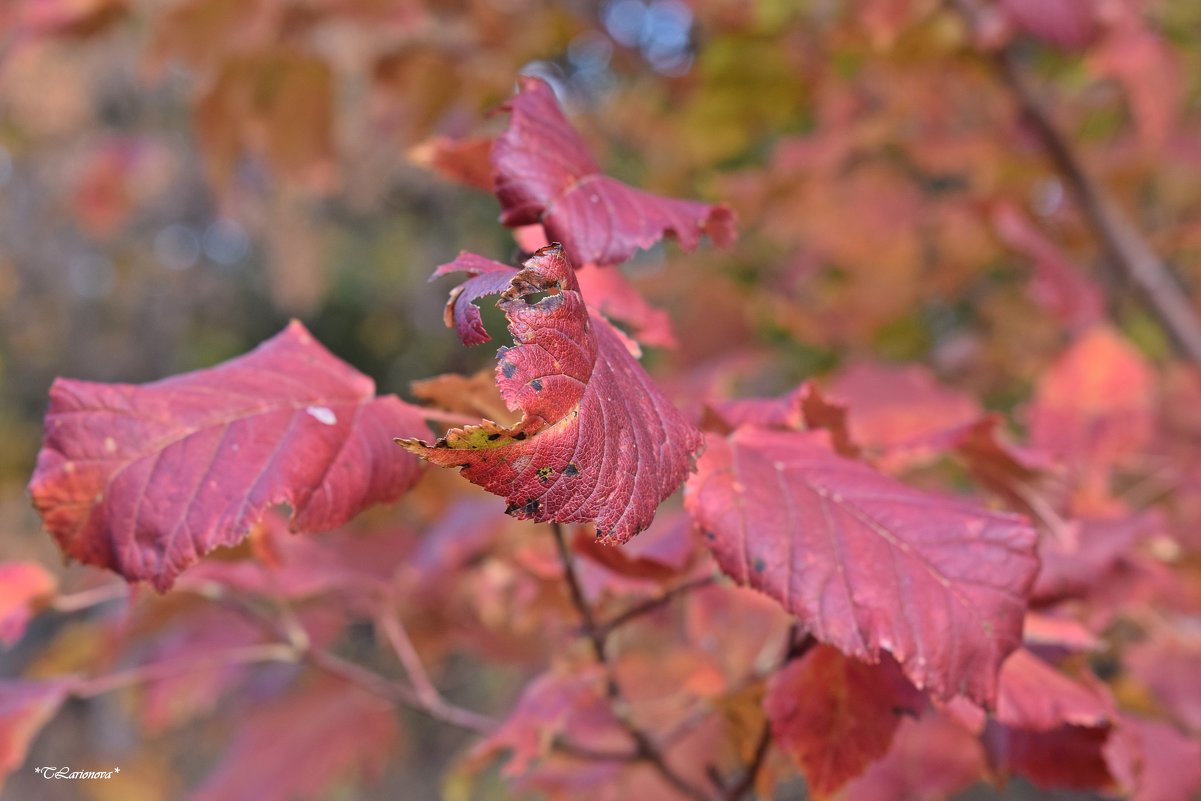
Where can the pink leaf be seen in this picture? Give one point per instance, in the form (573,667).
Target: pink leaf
(868,564)
(22,584)
(1036,697)
(1067,23)
(544,173)
(597,440)
(146,479)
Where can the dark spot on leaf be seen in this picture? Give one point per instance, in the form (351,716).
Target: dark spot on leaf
(544,473)
(493,437)
(537,385)
(519,436)
(508,369)
(511,508)
(531,507)
(571,471)
(710,536)
(759,565)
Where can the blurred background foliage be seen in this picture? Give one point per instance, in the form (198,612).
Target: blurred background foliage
(177,179)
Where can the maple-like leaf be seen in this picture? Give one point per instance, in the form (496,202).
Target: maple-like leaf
(299,743)
(145,479)
(597,440)
(544,173)
(866,563)
(836,715)
(25,707)
(22,584)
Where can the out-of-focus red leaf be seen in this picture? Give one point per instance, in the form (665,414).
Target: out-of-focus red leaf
(835,715)
(298,744)
(345,561)
(1169,665)
(1132,54)
(145,479)
(1152,761)
(1076,558)
(661,553)
(551,706)
(1058,284)
(1095,405)
(866,563)
(67,17)
(1067,23)
(1034,696)
(1048,631)
(25,707)
(611,293)
(740,628)
(890,406)
(467,161)
(22,585)
(931,758)
(597,441)
(803,408)
(544,173)
(1069,756)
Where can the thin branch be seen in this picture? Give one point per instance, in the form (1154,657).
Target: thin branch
(645,748)
(85,599)
(646,607)
(153,671)
(1126,246)
(426,692)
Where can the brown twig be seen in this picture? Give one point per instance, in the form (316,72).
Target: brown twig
(648,606)
(645,749)
(429,696)
(1125,245)
(86,599)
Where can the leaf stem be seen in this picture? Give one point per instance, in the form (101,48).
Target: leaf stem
(646,607)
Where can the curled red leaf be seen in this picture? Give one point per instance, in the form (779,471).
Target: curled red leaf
(544,173)
(597,441)
(145,479)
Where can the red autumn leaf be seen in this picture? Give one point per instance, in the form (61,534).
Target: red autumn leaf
(611,293)
(146,479)
(597,440)
(1169,665)
(661,553)
(298,744)
(1153,761)
(835,715)
(1058,284)
(544,173)
(25,707)
(891,406)
(1034,696)
(1095,405)
(551,706)
(868,564)
(931,758)
(1069,756)
(22,584)
(485,277)
(1067,23)
(1074,560)
(466,161)
(803,408)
